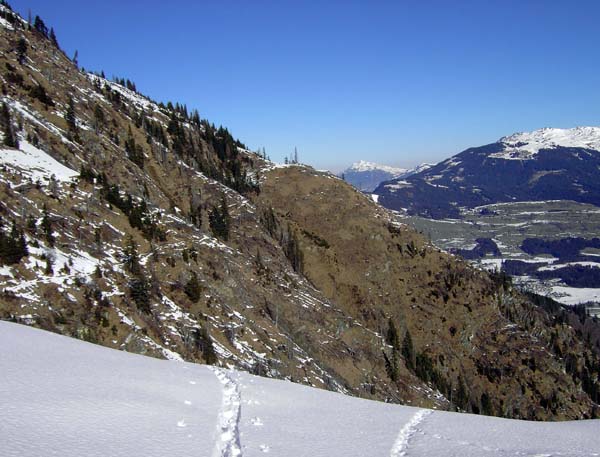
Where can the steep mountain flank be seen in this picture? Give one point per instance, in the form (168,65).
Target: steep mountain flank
(140,226)
(467,328)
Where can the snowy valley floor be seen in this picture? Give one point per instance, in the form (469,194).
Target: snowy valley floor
(60,396)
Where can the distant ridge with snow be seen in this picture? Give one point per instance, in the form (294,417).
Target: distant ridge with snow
(546,164)
(525,145)
(363,165)
(366,176)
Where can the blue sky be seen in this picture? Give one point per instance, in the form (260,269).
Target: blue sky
(399,82)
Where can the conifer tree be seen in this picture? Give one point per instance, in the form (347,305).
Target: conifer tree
(13,246)
(139,289)
(38,91)
(291,248)
(53,38)
(70,116)
(21,50)
(47,227)
(205,344)
(408,351)
(193,289)
(219,220)
(99,118)
(392,337)
(40,27)
(131,257)
(133,150)
(49,269)
(10,139)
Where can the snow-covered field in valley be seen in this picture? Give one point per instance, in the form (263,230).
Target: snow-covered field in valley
(60,396)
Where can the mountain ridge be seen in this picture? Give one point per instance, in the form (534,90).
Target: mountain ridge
(366,176)
(546,164)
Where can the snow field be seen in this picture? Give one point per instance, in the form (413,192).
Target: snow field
(66,397)
(59,396)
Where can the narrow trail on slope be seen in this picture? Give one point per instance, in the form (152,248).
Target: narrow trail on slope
(406,433)
(228,431)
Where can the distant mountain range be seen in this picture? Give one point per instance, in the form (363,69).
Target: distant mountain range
(546,164)
(366,176)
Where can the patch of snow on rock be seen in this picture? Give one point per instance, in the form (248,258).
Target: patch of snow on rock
(35,163)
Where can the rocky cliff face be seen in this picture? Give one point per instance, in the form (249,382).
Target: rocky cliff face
(142,227)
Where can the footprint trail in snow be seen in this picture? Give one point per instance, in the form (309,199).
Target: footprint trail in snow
(407,432)
(228,433)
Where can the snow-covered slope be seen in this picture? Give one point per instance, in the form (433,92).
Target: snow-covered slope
(60,396)
(35,163)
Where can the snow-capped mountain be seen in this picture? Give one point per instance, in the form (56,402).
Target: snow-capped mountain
(366,176)
(546,164)
(526,145)
(66,397)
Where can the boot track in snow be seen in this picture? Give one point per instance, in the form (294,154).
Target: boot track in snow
(228,432)
(407,432)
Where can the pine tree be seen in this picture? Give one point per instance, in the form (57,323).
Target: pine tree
(99,118)
(49,269)
(139,291)
(408,351)
(38,91)
(70,116)
(21,50)
(47,227)
(134,151)
(193,289)
(40,27)
(10,139)
(205,344)
(53,38)
(131,257)
(392,337)
(292,250)
(219,220)
(13,247)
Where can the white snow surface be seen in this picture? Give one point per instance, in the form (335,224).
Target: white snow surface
(35,163)
(60,396)
(526,145)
